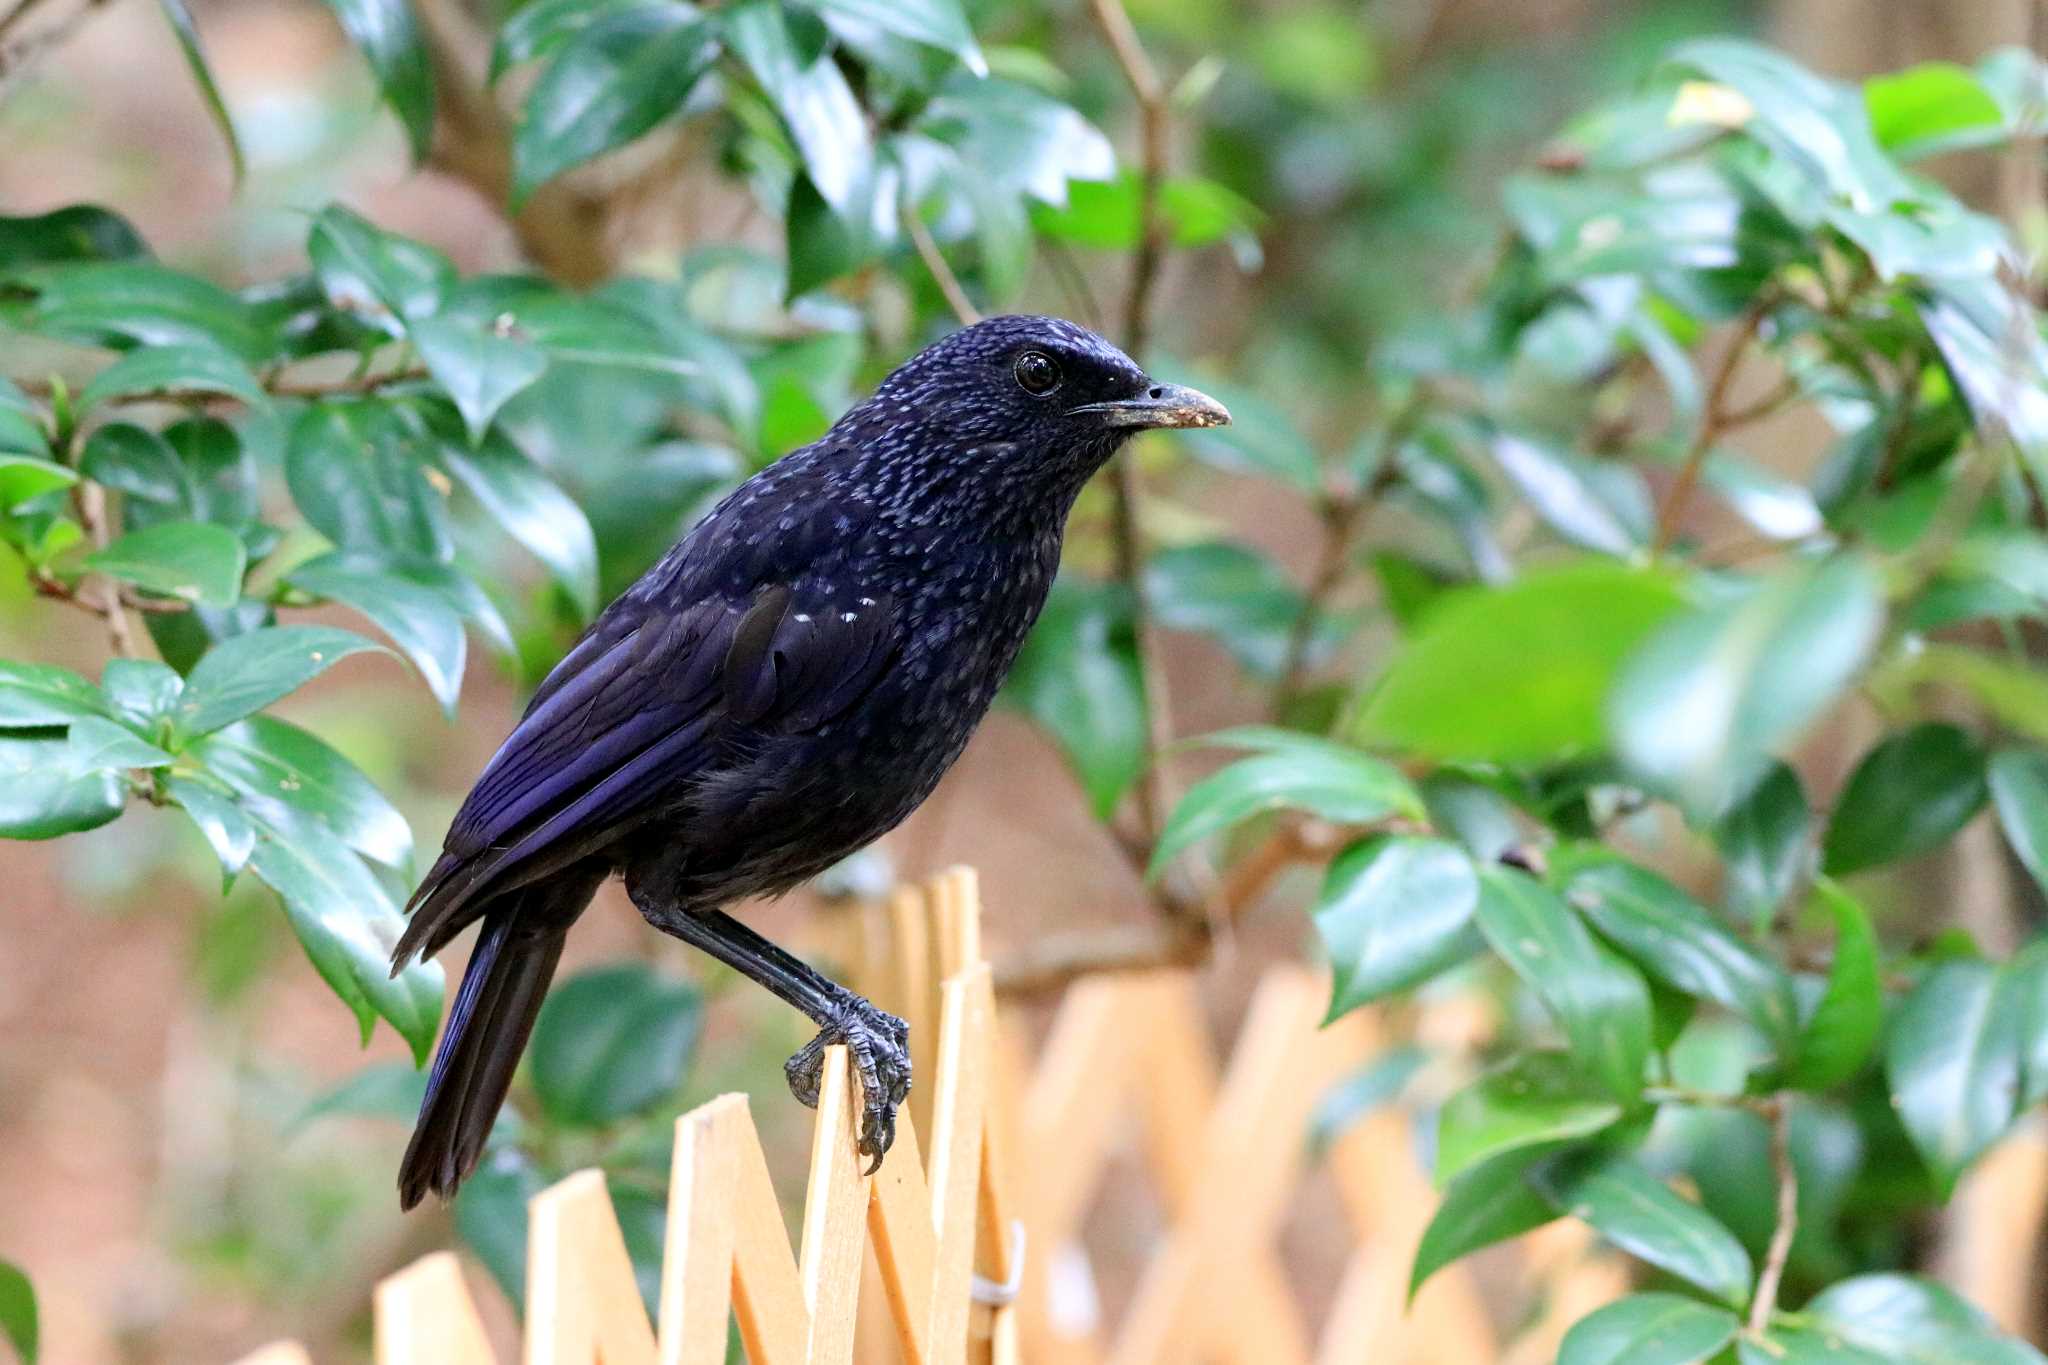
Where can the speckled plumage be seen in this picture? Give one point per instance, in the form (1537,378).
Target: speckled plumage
(786,685)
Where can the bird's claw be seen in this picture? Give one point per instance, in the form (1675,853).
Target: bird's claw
(879,1044)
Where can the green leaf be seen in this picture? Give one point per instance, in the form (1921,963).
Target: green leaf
(1649,1329)
(1017,138)
(1536,1099)
(1955,1056)
(385,279)
(810,92)
(187,34)
(1338,784)
(1680,943)
(384,1090)
(1077,676)
(290,776)
(1261,440)
(43,793)
(37,695)
(358,479)
(1395,910)
(1600,1001)
(76,232)
(612,79)
(127,304)
(532,509)
(1844,1026)
(1908,795)
(418,619)
(212,806)
(1517,674)
(1232,593)
(1764,843)
(1927,108)
(613,1042)
(935,23)
(1701,703)
(162,369)
(478,368)
(194,561)
(2018,781)
(389,37)
(1599,505)
(1488,1203)
(1644,1217)
(18,1320)
(244,674)
(542,26)
(1911,1321)
(1109,215)
(23,477)
(98,744)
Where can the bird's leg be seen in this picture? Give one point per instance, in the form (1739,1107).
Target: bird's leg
(878,1041)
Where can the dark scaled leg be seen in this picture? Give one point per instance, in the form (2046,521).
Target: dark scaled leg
(878,1041)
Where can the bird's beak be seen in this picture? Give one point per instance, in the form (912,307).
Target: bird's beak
(1162,405)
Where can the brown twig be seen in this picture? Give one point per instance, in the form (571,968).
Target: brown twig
(91,501)
(57,590)
(1765,1300)
(276,387)
(1715,421)
(935,261)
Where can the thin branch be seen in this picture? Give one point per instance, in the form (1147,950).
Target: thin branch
(1153,112)
(74,594)
(1765,1300)
(1050,962)
(1715,421)
(91,501)
(935,261)
(274,385)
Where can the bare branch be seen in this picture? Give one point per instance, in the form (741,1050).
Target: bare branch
(1765,1300)
(935,261)
(91,501)
(1715,421)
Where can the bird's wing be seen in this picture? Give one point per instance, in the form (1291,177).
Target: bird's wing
(632,718)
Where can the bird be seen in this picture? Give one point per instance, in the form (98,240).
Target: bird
(788,683)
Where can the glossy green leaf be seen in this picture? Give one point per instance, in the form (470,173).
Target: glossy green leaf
(1395,910)
(1600,505)
(1109,214)
(1955,1056)
(1644,1217)
(1681,944)
(1521,673)
(1336,783)
(43,793)
(2018,781)
(380,277)
(173,370)
(1077,676)
(245,674)
(1844,1025)
(288,775)
(127,304)
(478,368)
(1928,107)
(1702,702)
(1020,139)
(100,745)
(418,619)
(76,232)
(1536,1099)
(194,561)
(811,94)
(532,509)
(1649,1329)
(187,33)
(1232,593)
(18,1318)
(541,27)
(25,476)
(359,477)
(229,832)
(611,80)
(613,1042)
(1600,1000)
(1912,1321)
(390,39)
(935,23)
(1487,1203)
(1764,842)
(348,927)
(1908,795)
(34,695)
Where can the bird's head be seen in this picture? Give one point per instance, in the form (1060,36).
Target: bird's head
(1036,396)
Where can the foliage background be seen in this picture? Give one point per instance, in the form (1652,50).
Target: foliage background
(160,1047)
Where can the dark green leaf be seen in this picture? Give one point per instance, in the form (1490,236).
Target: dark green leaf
(811,94)
(1339,784)
(536,513)
(1911,1321)
(43,793)
(385,1090)
(1680,943)
(187,33)
(279,769)
(1764,843)
(212,806)
(1599,999)
(1230,592)
(1955,1055)
(18,1320)
(141,304)
(1521,673)
(613,79)
(356,477)
(1928,107)
(478,368)
(1488,1203)
(2018,780)
(36,695)
(1908,795)
(1395,910)
(164,369)
(389,37)
(1077,676)
(385,279)
(1649,1329)
(1701,703)
(1843,1028)
(195,561)
(1644,1217)
(76,232)
(418,619)
(613,1042)
(1537,1099)
(247,673)
(540,27)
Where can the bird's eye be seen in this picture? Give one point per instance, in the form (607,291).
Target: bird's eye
(1037,372)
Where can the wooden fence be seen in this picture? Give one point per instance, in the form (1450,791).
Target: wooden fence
(972,1250)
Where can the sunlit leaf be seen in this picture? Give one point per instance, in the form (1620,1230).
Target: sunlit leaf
(1537,1099)
(195,561)
(1338,784)
(247,673)
(1395,910)
(1648,1329)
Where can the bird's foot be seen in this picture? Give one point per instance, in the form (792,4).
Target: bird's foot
(879,1043)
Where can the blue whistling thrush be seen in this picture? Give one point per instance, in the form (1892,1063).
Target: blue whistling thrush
(786,685)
